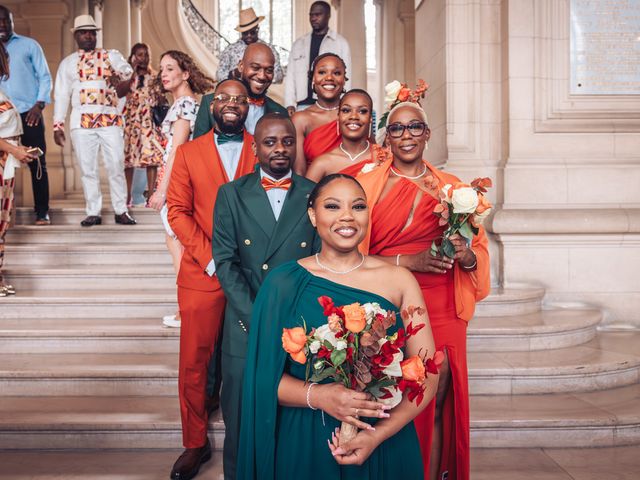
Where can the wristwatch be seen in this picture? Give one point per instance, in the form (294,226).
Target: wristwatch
(40,105)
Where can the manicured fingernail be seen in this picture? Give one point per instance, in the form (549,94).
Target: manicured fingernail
(371,428)
(384,415)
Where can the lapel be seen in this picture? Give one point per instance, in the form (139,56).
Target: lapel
(295,206)
(271,106)
(255,199)
(211,158)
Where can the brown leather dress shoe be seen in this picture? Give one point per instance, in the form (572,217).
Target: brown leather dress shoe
(91,220)
(188,464)
(125,219)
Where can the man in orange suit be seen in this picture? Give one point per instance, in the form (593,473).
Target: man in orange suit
(200,168)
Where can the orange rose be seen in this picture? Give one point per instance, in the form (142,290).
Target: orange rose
(293,342)
(355,317)
(483,204)
(403,94)
(413,369)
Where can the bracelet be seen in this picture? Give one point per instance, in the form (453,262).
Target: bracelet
(398,260)
(472,266)
(308,392)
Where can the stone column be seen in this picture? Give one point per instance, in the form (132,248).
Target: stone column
(44,22)
(351,26)
(116,25)
(136,20)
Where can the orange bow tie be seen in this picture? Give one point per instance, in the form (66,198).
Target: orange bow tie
(268,184)
(256,101)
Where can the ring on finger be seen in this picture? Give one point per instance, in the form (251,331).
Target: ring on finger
(357,411)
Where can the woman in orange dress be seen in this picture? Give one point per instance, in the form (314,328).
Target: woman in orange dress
(317,126)
(402,229)
(355,149)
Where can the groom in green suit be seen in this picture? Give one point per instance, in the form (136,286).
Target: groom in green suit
(256,72)
(260,222)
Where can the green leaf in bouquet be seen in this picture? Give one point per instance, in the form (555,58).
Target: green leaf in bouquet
(326,373)
(382,383)
(448,248)
(338,357)
(327,345)
(466,232)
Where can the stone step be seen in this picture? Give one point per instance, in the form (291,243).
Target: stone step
(594,419)
(93,335)
(95,422)
(610,360)
(99,304)
(515,300)
(619,463)
(88,374)
(542,330)
(150,464)
(122,235)
(591,419)
(73,215)
(93,278)
(72,255)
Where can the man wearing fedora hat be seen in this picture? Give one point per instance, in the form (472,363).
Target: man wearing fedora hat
(88,78)
(249,27)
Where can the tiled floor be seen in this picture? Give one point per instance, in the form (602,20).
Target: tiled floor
(621,463)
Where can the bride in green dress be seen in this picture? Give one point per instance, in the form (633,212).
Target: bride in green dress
(290,428)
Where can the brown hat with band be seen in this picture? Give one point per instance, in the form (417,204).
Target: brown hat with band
(248,20)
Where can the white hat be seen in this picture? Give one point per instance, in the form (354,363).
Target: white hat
(84,22)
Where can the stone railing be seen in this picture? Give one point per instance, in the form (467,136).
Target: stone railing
(213,40)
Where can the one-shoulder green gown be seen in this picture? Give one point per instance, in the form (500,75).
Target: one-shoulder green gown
(282,443)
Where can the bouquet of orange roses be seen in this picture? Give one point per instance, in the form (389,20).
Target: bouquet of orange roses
(463,207)
(354,348)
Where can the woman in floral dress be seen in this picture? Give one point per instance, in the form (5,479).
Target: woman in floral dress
(143,145)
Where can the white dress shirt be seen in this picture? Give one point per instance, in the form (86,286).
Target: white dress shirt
(295,82)
(255,113)
(276,196)
(230,155)
(68,86)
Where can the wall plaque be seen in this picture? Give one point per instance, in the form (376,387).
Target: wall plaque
(605,47)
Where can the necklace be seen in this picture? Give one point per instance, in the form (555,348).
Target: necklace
(407,176)
(324,267)
(354,158)
(326,109)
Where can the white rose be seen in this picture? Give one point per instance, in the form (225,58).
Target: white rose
(395,399)
(371,310)
(341,345)
(324,333)
(445,192)
(478,218)
(315,346)
(464,200)
(391,91)
(394,369)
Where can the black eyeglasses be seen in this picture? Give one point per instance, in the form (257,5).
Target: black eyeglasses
(237,99)
(416,129)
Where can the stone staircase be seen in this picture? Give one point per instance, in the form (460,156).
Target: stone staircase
(86,365)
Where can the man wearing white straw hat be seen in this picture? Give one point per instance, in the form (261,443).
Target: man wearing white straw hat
(249,27)
(88,78)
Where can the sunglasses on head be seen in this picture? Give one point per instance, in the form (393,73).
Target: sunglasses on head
(416,129)
(237,99)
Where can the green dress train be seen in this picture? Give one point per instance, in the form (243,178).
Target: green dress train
(279,442)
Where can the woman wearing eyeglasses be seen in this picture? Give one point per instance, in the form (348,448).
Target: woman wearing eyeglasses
(183,79)
(402,229)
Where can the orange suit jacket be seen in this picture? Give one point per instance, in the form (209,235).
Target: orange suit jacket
(196,175)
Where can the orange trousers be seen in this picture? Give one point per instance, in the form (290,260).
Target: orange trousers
(202,314)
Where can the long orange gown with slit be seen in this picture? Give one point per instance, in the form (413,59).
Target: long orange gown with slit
(321,140)
(450,299)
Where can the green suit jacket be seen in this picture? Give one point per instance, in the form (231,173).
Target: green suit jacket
(248,243)
(205,121)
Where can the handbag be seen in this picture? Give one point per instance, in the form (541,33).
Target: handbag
(158,113)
